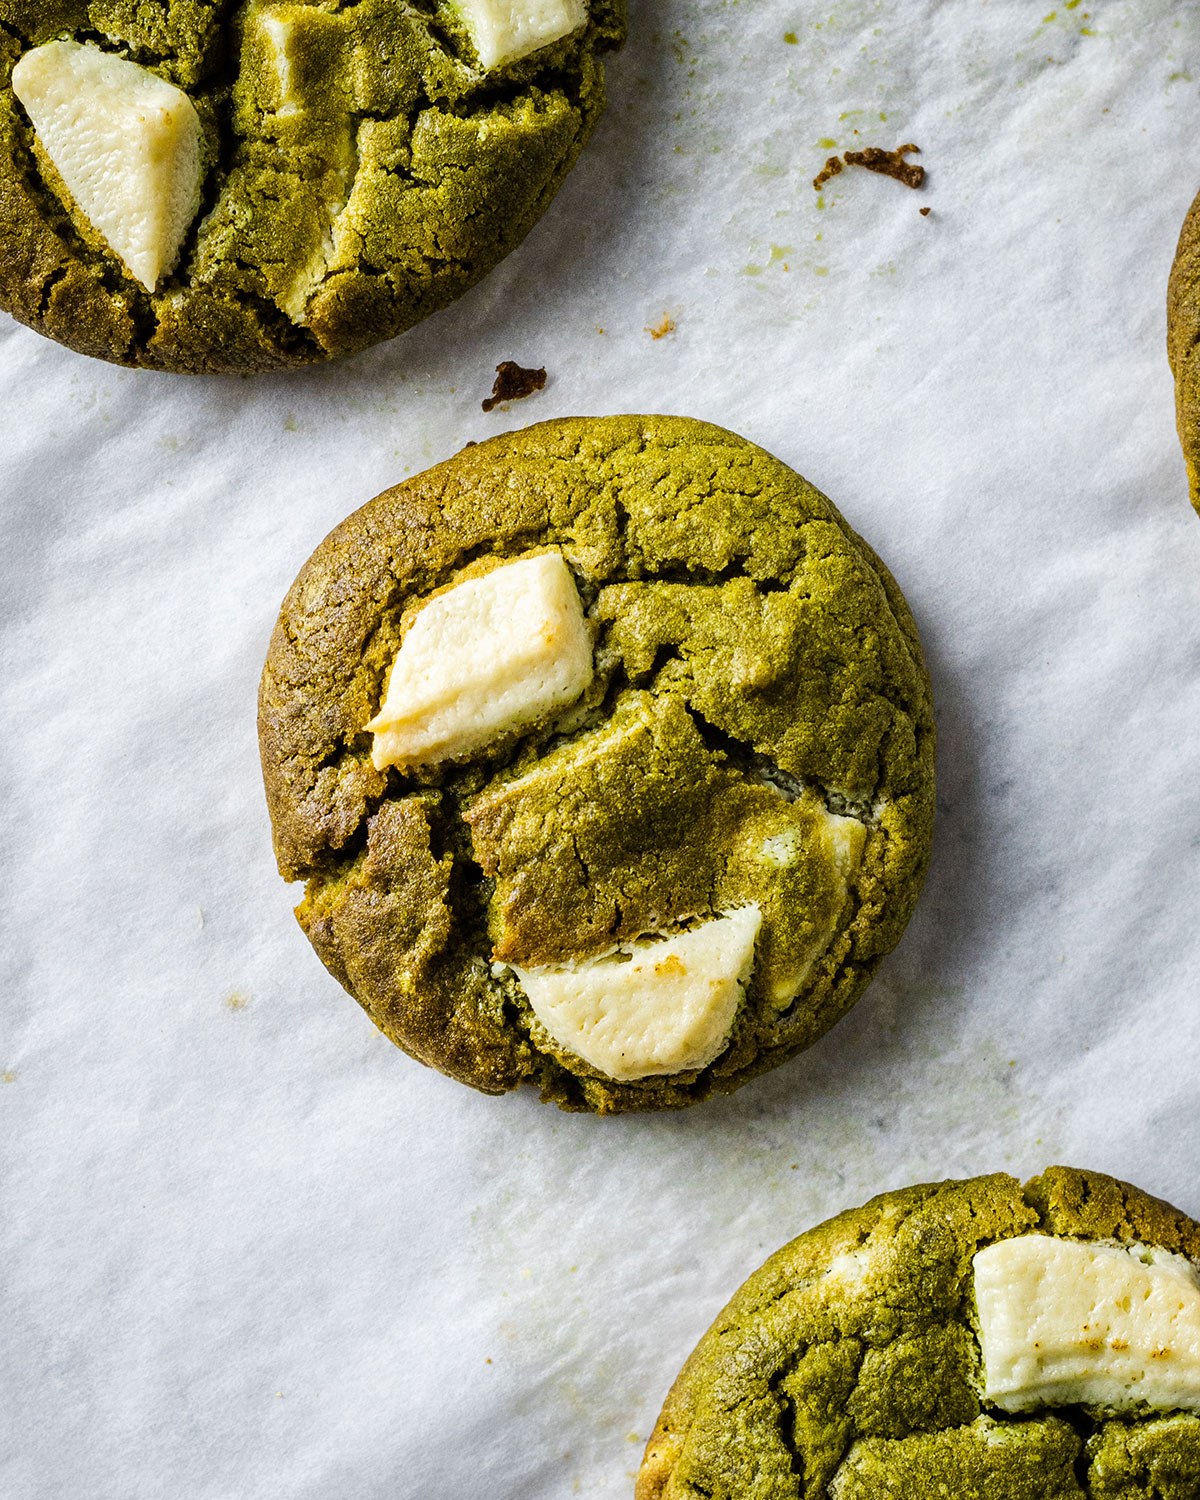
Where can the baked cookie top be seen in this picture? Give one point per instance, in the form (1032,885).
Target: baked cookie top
(978,1339)
(220,187)
(606,750)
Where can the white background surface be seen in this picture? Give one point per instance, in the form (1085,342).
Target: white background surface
(248,1248)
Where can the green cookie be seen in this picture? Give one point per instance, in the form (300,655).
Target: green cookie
(682,862)
(218,188)
(1183,343)
(868,1358)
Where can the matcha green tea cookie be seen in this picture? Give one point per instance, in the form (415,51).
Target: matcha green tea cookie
(976,1340)
(606,752)
(208,186)
(1183,343)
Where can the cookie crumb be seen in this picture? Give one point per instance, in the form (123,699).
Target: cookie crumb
(831,168)
(890,163)
(660,330)
(924,211)
(875,159)
(513,382)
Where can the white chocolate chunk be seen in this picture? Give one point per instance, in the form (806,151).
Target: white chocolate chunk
(844,840)
(653,1006)
(853,1267)
(126,144)
(276,31)
(294,52)
(504,30)
(1065,1323)
(486,657)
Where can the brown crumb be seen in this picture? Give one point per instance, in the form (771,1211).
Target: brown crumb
(831,168)
(660,330)
(512,383)
(925,210)
(890,163)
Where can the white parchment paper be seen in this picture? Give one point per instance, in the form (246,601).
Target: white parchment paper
(247,1248)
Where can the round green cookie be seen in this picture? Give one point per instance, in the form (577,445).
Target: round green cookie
(750,752)
(864,1360)
(277,181)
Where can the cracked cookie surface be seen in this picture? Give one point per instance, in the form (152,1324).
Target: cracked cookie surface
(757,732)
(850,1366)
(360,168)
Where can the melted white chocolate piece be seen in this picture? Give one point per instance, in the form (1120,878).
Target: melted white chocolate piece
(653,1006)
(126,144)
(503,30)
(1063,1322)
(844,840)
(488,656)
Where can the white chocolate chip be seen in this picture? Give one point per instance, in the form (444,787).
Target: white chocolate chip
(504,30)
(277,32)
(488,656)
(781,849)
(1063,1322)
(126,144)
(853,1267)
(844,840)
(652,1007)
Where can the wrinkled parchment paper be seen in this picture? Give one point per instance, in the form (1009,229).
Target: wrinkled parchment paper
(248,1249)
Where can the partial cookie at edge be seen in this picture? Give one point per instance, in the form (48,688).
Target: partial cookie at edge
(848,1365)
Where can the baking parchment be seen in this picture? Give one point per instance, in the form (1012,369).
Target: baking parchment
(248,1249)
